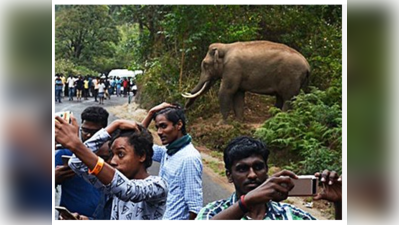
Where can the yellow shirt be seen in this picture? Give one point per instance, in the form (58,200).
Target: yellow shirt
(86,84)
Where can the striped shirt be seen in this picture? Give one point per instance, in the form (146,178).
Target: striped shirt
(183,174)
(275,210)
(136,199)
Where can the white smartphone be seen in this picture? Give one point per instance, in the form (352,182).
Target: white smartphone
(65,115)
(305,185)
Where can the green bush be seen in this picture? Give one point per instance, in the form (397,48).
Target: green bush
(307,138)
(217,137)
(160,82)
(67,67)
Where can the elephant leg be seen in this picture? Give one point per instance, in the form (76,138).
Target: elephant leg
(238,105)
(228,88)
(288,97)
(286,106)
(226,102)
(279,102)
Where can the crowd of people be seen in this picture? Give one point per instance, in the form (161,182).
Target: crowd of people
(106,176)
(100,87)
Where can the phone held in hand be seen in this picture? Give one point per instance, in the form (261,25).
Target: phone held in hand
(64,212)
(65,115)
(65,159)
(305,185)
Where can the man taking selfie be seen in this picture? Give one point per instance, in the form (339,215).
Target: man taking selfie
(76,194)
(258,196)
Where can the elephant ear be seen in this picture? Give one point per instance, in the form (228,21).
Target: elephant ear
(217,60)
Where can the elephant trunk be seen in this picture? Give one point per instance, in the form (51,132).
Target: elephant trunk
(189,102)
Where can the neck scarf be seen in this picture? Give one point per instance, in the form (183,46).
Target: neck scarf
(178,144)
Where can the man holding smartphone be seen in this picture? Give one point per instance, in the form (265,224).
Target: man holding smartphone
(258,196)
(77,195)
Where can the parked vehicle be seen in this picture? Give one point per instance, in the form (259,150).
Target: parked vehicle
(124,73)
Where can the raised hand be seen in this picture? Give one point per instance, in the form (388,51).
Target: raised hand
(128,125)
(123,125)
(65,133)
(63,173)
(160,107)
(75,124)
(332,186)
(275,188)
(147,120)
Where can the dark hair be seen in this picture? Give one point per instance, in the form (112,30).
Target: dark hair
(95,114)
(243,147)
(141,141)
(173,114)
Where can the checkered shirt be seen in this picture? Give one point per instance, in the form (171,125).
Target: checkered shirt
(275,210)
(183,174)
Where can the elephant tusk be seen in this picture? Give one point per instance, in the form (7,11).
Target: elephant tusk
(188,95)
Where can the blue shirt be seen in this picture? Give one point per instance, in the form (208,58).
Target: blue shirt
(58,84)
(118,83)
(77,195)
(183,174)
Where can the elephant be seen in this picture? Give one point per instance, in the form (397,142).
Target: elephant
(260,67)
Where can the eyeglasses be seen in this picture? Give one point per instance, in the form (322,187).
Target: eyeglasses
(88,131)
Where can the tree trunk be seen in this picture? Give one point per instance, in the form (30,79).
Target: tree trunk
(183,53)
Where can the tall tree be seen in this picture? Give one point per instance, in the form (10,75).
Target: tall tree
(84,34)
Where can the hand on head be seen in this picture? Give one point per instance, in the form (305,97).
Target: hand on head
(122,125)
(128,125)
(161,106)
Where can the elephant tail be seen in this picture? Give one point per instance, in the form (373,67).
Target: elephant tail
(305,82)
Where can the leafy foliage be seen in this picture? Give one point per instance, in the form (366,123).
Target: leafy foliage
(85,35)
(159,82)
(311,132)
(67,67)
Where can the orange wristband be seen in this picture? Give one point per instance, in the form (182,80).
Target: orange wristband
(98,167)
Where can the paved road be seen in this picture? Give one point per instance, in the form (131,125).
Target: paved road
(213,187)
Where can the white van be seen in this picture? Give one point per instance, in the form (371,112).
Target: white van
(124,73)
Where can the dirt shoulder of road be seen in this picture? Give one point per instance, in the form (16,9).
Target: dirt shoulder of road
(214,166)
